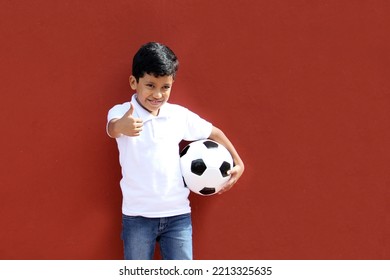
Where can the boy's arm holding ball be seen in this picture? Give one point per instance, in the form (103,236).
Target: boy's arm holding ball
(236,172)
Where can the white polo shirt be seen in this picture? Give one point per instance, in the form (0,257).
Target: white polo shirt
(152,184)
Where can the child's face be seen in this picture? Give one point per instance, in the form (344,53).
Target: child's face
(152,92)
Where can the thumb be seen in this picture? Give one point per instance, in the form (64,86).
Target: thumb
(130,111)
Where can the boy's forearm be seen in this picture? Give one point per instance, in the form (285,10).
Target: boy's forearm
(112,129)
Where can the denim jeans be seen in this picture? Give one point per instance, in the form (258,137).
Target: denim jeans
(174,234)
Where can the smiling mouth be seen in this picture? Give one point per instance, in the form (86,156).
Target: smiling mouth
(155,102)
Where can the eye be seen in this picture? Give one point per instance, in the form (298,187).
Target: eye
(149,85)
(166,87)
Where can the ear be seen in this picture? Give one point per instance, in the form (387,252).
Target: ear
(133,82)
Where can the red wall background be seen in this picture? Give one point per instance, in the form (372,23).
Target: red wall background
(300,87)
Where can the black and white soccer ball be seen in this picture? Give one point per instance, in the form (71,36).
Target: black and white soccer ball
(205,165)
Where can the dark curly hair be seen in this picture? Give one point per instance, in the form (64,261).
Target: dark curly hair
(154,59)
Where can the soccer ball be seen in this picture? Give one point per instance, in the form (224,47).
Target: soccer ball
(205,165)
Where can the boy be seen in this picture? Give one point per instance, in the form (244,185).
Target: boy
(148,131)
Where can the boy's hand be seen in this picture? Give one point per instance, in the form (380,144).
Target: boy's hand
(235,173)
(129,125)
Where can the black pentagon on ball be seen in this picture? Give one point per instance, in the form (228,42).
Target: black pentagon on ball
(198,167)
(210,144)
(225,167)
(207,191)
(184,151)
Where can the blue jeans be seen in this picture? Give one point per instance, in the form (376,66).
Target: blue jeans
(174,234)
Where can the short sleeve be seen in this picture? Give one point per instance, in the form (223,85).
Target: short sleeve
(118,111)
(197,127)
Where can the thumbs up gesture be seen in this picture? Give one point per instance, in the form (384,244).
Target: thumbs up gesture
(130,125)
(127,125)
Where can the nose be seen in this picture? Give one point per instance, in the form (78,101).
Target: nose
(157,94)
